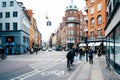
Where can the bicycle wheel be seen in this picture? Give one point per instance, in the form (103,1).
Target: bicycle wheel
(69,65)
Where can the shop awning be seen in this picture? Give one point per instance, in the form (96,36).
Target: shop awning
(107,44)
(97,44)
(82,44)
(91,44)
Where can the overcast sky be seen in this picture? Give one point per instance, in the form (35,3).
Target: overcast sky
(54,9)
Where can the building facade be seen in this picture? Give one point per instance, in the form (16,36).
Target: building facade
(112,33)
(95,21)
(70,29)
(14,27)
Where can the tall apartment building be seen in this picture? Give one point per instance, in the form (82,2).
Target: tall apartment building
(71,29)
(96,20)
(14,26)
(112,33)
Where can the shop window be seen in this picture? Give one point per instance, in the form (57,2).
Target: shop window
(117,45)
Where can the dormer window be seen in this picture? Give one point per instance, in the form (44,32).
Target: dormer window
(11,3)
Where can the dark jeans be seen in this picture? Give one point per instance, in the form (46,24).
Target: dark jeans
(91,59)
(69,60)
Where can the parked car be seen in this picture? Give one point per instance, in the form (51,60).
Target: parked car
(49,49)
(44,49)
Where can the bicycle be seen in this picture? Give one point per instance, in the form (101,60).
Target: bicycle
(69,65)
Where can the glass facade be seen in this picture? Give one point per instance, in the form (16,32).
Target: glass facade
(113,48)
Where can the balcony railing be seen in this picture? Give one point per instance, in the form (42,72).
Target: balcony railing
(72,21)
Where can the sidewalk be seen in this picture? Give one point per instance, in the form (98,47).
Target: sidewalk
(95,71)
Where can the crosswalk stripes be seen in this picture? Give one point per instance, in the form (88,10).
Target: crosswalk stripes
(41,60)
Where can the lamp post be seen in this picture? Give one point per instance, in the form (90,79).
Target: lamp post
(86,42)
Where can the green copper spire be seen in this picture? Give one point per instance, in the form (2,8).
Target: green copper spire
(71,6)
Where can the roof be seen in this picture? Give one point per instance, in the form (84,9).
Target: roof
(71,6)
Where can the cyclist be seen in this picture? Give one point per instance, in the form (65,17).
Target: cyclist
(70,57)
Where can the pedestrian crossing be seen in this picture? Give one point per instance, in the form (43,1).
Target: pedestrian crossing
(41,60)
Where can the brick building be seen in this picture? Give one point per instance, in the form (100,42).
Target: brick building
(71,29)
(96,20)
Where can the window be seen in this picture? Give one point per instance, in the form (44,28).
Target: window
(92,22)
(11,3)
(3,4)
(81,27)
(24,38)
(7,25)
(71,32)
(99,32)
(0,26)
(7,14)
(1,14)
(99,19)
(92,34)
(117,45)
(92,11)
(15,26)
(78,33)
(71,18)
(99,7)
(71,25)
(91,1)
(15,14)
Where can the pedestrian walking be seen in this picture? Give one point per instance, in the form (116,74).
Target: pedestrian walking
(80,53)
(99,52)
(36,51)
(86,55)
(90,52)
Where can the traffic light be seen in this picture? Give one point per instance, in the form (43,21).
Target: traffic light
(48,23)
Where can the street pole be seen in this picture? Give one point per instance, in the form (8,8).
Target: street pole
(86,42)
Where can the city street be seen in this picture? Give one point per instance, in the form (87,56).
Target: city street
(46,65)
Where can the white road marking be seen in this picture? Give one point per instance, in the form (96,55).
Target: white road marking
(34,72)
(58,73)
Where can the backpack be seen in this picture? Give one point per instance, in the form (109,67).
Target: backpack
(69,55)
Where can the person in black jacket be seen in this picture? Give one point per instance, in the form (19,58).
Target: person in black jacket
(70,57)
